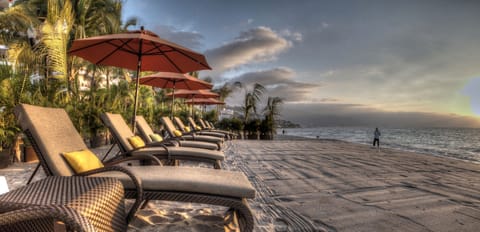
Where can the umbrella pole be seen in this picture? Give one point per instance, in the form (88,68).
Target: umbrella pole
(173,101)
(139,64)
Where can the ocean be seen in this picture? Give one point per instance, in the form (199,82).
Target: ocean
(458,143)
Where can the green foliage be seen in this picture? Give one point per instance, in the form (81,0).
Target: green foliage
(252,126)
(8,128)
(230,124)
(211,116)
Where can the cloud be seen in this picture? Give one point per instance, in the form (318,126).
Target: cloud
(332,114)
(279,82)
(294,36)
(259,44)
(187,39)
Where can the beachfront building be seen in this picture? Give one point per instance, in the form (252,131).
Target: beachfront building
(225,113)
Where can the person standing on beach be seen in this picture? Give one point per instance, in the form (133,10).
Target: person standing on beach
(376,137)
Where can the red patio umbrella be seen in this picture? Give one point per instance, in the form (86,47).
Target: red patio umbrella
(204,102)
(139,50)
(192,94)
(174,81)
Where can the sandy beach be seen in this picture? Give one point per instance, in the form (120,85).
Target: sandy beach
(328,185)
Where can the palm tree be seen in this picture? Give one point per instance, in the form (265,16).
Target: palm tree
(250,101)
(224,91)
(250,106)
(271,111)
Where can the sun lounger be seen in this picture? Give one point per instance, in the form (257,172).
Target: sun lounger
(79,203)
(186,129)
(173,132)
(52,133)
(121,133)
(147,134)
(204,127)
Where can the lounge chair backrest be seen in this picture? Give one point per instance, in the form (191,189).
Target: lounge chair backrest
(192,122)
(119,129)
(144,128)
(202,123)
(53,133)
(210,125)
(180,124)
(168,124)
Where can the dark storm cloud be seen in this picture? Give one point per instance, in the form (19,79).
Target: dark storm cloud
(324,114)
(185,38)
(259,44)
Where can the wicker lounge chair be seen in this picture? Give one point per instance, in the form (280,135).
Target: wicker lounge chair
(146,132)
(203,126)
(79,203)
(170,128)
(51,132)
(184,129)
(121,132)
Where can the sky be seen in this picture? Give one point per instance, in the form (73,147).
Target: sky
(412,63)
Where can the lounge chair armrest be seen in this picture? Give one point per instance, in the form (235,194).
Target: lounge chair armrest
(130,153)
(136,181)
(160,144)
(121,159)
(73,220)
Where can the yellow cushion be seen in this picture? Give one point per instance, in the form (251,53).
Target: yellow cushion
(156,137)
(136,141)
(198,128)
(177,133)
(187,129)
(82,161)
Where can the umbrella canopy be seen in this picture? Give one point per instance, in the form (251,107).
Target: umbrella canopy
(139,50)
(204,101)
(174,81)
(200,93)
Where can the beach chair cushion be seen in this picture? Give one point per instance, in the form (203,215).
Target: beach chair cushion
(136,141)
(189,179)
(177,133)
(187,129)
(83,160)
(156,137)
(198,128)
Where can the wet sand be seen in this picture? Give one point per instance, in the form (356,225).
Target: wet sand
(329,185)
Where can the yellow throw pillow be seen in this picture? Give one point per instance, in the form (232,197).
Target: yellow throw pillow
(177,133)
(187,129)
(136,141)
(156,137)
(198,128)
(82,161)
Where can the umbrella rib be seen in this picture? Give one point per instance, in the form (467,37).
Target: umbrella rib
(89,46)
(109,54)
(183,53)
(156,47)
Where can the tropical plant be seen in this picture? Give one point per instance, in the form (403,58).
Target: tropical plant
(224,91)
(270,112)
